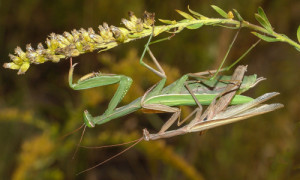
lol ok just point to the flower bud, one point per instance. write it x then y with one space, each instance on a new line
105 32
16 59
106 27
78 46
118 34
75 34
63 40
74 53
56 58
128 24
31 55
40 47
29 48
11 66
139 25
53 42
132 17
85 35
20 53
69 36
149 19
230 15
48 43
39 60
95 37
24 67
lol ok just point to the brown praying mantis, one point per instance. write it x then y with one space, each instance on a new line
217 113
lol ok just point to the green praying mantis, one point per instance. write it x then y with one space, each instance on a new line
159 98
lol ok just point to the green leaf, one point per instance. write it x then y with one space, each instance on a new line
167 21
297 49
263 15
298 34
261 20
184 21
220 11
195 26
186 15
265 38
195 13
285 37
238 15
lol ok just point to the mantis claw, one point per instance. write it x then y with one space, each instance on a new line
88 119
146 135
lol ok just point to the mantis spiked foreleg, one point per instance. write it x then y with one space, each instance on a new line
97 79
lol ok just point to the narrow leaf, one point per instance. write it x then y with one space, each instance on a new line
265 38
263 23
297 49
238 15
186 15
184 21
220 11
298 34
263 15
196 14
195 26
167 21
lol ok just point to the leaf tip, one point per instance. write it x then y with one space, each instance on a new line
298 34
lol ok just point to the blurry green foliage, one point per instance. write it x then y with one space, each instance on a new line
39 108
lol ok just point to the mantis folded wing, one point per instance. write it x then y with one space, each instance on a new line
218 113
230 115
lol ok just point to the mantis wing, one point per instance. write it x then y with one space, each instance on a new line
238 113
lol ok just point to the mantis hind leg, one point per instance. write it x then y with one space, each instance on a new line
95 80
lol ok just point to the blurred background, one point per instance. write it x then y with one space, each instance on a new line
37 109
